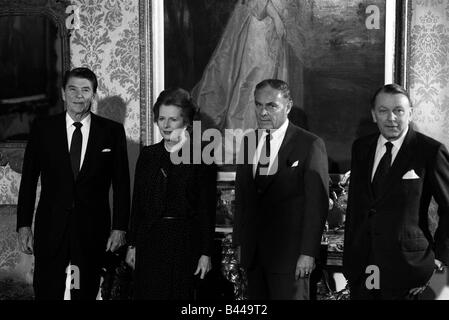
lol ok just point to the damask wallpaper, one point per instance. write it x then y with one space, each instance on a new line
107 41
429 67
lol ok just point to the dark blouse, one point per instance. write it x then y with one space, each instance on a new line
162 188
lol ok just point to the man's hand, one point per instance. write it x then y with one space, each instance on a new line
131 257
416 291
439 265
26 240
304 266
116 240
204 265
238 254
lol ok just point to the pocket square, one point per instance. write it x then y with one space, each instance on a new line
295 164
106 150
410 175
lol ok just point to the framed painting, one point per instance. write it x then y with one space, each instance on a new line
333 55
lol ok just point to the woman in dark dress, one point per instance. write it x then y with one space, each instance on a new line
173 210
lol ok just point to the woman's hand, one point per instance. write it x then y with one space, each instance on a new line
204 265
131 257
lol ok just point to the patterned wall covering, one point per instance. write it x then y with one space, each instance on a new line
429 67
9 185
13 264
107 41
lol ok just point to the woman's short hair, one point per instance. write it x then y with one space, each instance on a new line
176 97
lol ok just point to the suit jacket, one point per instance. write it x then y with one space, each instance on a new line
192 195
81 205
285 218
394 226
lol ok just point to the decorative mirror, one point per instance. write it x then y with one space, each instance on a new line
34 54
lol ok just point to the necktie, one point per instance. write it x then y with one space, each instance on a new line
384 165
264 160
75 148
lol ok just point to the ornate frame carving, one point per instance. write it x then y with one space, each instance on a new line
403 18
146 72
151 35
55 10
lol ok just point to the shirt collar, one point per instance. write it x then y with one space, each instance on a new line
280 132
396 143
69 121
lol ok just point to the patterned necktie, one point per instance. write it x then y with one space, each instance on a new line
264 160
383 167
75 148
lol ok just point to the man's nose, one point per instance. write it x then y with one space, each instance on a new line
263 111
391 116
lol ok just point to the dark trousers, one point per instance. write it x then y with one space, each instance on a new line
266 285
50 272
359 291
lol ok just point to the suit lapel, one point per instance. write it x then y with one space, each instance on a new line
92 145
369 163
61 144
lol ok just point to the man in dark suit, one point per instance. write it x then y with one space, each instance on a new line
281 201
78 156
389 250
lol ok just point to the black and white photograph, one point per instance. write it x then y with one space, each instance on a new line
224 155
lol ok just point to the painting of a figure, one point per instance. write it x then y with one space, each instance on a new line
322 48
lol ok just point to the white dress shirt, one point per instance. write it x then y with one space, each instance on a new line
85 129
277 136
381 149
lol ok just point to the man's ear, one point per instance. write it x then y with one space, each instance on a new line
63 94
411 115
289 106
373 114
